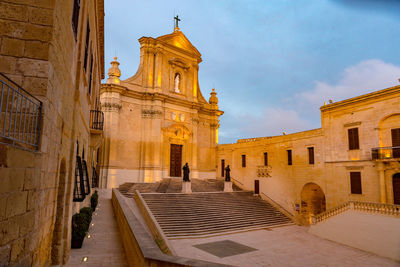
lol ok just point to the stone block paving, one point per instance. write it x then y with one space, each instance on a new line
282 246
104 247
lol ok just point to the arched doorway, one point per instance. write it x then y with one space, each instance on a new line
312 199
396 189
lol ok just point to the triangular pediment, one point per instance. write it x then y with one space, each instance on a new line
179 40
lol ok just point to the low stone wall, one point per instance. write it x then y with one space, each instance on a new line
140 248
151 222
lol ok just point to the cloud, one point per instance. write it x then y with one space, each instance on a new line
365 77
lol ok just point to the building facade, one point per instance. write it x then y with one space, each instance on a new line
158 119
353 156
51 64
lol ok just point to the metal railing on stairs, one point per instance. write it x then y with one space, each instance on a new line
20 115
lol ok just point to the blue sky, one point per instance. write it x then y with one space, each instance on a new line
273 63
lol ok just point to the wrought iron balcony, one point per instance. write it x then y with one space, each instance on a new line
96 120
392 152
20 115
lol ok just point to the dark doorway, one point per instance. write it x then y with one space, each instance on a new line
396 142
222 168
175 164
396 189
257 187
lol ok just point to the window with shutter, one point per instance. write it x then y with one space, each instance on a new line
86 46
289 157
265 158
243 161
355 182
353 138
75 17
311 155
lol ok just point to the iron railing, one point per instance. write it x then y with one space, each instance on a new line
96 119
391 152
20 115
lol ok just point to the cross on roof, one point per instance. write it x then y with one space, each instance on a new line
177 19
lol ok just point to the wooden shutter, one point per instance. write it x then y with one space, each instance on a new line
86 46
355 181
353 138
311 155
243 161
75 17
222 168
396 142
265 158
289 157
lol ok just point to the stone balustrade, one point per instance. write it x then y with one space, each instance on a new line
379 208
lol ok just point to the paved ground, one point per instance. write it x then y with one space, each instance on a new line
104 247
283 246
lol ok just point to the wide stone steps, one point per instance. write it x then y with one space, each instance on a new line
204 214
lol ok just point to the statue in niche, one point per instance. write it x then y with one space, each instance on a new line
186 172
177 79
227 174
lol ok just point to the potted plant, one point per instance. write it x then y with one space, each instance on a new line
94 200
88 211
80 226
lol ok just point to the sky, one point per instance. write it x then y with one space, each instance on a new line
273 63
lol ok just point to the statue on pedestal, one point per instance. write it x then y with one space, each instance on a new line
227 174
186 172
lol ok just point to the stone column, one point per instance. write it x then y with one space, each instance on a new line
382 182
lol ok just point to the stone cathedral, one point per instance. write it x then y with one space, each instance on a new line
157 120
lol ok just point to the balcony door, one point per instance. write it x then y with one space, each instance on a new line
396 189
396 142
175 164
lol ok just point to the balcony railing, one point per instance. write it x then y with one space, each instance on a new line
392 152
96 120
20 115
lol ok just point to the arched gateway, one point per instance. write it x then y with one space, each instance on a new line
312 199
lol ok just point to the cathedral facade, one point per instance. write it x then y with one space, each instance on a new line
157 120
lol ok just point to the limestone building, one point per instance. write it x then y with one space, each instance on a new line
354 156
51 66
157 120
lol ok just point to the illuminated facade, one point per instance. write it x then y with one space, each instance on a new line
354 156
158 119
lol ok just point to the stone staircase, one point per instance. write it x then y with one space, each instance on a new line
205 214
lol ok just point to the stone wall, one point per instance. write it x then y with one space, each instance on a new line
39 52
295 186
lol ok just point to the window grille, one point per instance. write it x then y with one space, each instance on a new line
79 188
85 178
95 178
20 115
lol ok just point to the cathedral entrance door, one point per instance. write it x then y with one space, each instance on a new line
175 163
396 189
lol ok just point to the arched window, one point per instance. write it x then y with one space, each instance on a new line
176 82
